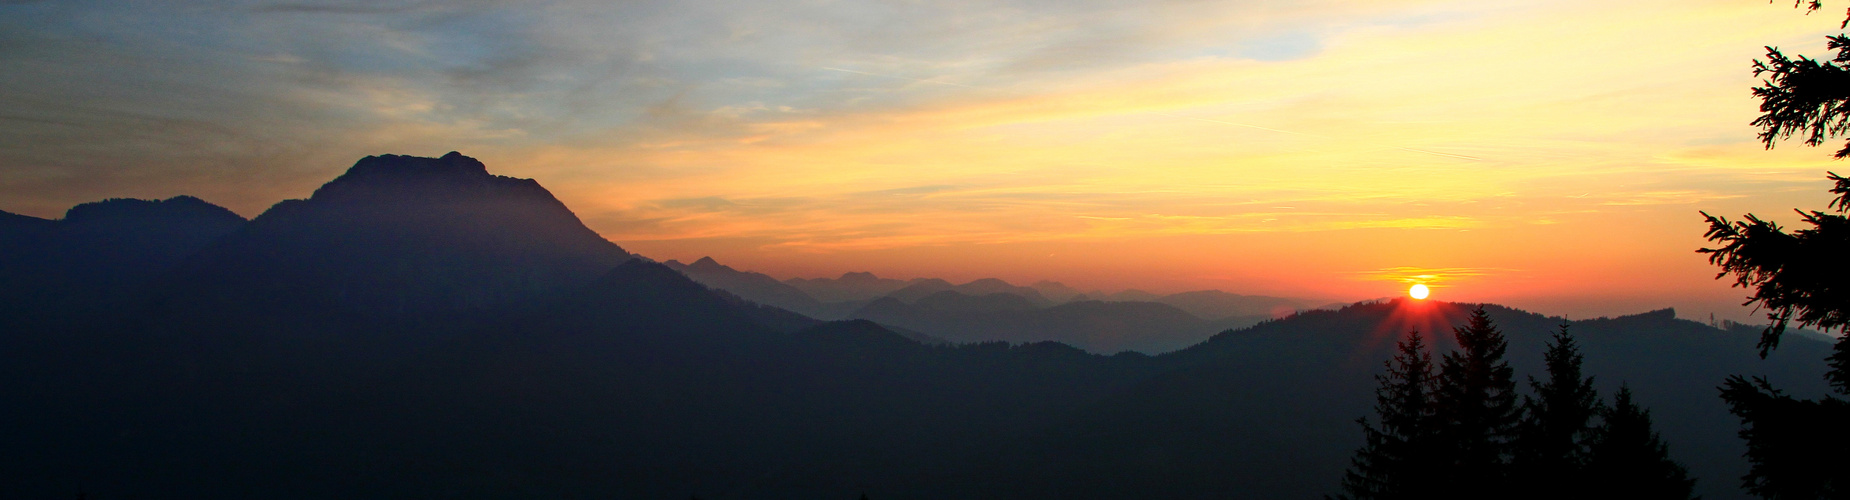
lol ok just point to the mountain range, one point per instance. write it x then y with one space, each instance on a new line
991 309
422 328
1095 326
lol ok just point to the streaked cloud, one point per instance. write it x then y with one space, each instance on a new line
1432 277
1393 129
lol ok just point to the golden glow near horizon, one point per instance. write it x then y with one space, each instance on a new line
1418 291
1508 151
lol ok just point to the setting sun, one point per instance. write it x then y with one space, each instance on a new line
1418 292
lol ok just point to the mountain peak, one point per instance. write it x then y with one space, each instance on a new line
706 263
859 277
403 235
399 177
452 164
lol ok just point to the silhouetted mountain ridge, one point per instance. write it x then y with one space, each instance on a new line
402 235
426 329
1100 327
852 287
1215 304
751 286
87 265
940 306
12 222
953 301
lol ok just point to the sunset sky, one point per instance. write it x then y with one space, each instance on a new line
1550 155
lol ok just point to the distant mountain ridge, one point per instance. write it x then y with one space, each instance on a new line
922 288
752 286
1099 327
994 310
1213 304
1206 304
850 287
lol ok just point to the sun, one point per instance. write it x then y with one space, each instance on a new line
1419 292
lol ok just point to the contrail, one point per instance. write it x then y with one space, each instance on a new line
1221 122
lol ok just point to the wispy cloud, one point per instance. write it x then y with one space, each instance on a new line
1381 128
1670 198
1432 277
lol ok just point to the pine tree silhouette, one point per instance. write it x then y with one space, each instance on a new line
1839 361
1477 409
1396 461
1797 447
1557 426
1629 460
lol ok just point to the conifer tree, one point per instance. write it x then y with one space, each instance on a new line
1839 361
1557 425
1629 460
1477 408
1396 461
1797 277
1797 447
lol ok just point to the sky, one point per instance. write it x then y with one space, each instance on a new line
1549 155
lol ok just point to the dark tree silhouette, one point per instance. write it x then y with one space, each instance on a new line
1397 459
1627 459
1800 276
1460 434
1796 447
1477 408
1557 427
1804 96
1839 361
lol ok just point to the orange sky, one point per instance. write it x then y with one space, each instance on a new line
1550 155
